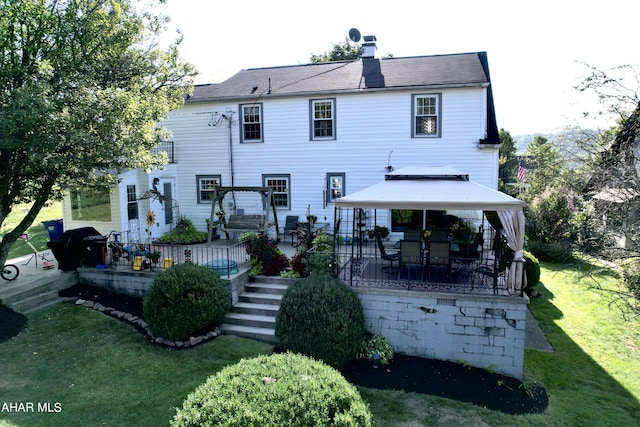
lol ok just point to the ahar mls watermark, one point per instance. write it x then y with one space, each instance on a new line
46 407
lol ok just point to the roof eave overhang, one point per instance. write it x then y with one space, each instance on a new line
276 95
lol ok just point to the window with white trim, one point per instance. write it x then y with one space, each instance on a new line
335 186
281 190
426 112
323 119
132 203
251 127
206 185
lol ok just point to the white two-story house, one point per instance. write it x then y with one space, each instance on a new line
312 133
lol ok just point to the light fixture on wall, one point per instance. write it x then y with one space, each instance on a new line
389 168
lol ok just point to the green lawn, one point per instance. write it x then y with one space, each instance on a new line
102 372
38 234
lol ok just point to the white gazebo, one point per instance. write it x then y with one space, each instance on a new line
446 188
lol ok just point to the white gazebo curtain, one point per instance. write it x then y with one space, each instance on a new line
513 227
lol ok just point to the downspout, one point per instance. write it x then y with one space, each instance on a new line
231 169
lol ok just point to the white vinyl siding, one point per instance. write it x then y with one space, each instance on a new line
373 131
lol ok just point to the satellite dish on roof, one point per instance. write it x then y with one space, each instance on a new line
354 35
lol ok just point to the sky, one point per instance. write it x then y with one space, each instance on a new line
536 49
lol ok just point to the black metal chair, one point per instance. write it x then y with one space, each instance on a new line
385 256
290 226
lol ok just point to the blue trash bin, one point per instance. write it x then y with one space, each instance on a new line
55 228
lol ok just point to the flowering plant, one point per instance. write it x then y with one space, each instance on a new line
151 218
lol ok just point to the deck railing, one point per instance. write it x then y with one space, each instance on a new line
453 274
124 254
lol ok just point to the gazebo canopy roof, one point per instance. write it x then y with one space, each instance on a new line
434 188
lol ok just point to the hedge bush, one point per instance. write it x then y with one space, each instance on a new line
277 390
532 270
321 317
631 276
185 299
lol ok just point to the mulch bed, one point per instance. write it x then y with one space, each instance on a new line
11 323
411 374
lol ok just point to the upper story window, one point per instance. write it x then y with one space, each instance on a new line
426 113
323 119
251 128
206 186
279 185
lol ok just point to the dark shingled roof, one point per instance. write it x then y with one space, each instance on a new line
326 78
351 76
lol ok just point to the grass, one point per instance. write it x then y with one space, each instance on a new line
102 372
38 234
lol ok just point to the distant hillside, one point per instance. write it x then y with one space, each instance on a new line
563 140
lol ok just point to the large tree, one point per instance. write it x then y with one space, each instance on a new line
83 84
344 51
508 163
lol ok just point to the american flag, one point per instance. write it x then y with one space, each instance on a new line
521 174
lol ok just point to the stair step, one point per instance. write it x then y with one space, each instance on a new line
45 305
35 302
245 319
260 298
254 308
260 334
266 288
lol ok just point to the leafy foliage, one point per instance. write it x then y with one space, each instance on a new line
277 390
266 257
532 270
81 94
322 318
185 299
184 232
344 51
376 343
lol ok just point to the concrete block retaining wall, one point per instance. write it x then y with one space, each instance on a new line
482 331
136 283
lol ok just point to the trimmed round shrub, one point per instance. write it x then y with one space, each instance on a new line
551 252
321 317
185 299
631 276
532 270
277 390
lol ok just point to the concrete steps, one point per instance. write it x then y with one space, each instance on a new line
28 294
254 315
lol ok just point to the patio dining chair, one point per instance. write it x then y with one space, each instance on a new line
439 261
290 226
385 256
410 258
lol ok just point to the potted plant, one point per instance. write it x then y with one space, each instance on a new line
382 231
461 229
154 256
214 227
